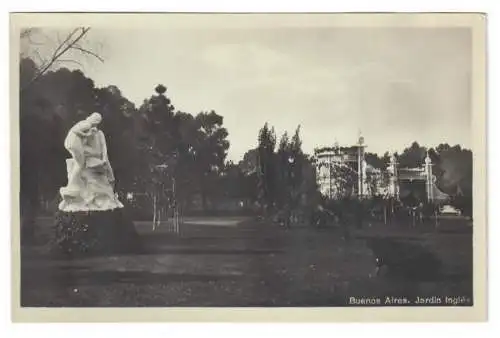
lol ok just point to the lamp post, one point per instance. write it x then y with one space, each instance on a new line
158 206
157 191
291 191
174 204
361 145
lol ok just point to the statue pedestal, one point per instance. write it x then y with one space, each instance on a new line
95 232
91 219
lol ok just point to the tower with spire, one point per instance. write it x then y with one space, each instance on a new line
429 182
393 178
361 165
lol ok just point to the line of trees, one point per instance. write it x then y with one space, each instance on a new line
285 175
154 143
139 139
192 148
452 166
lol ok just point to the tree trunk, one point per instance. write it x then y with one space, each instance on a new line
154 211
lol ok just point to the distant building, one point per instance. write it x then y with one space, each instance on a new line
414 183
343 171
376 181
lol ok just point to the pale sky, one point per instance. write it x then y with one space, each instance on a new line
396 85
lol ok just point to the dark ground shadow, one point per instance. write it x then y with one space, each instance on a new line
261 250
85 276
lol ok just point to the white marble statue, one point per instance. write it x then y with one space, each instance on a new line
90 176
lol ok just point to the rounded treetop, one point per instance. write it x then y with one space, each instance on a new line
160 89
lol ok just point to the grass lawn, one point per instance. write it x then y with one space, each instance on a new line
240 262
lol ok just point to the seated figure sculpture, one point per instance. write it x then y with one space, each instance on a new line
90 176
90 217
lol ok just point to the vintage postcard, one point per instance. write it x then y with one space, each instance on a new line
248 167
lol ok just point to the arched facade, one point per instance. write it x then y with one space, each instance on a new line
334 165
414 176
342 171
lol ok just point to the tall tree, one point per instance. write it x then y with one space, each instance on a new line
250 162
282 171
267 145
159 137
453 167
413 156
119 125
377 162
296 166
211 150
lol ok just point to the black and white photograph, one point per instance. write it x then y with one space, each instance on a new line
248 161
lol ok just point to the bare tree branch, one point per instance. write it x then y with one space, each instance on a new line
37 53
27 34
68 61
63 44
85 51
69 42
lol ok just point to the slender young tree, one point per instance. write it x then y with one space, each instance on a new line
267 145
